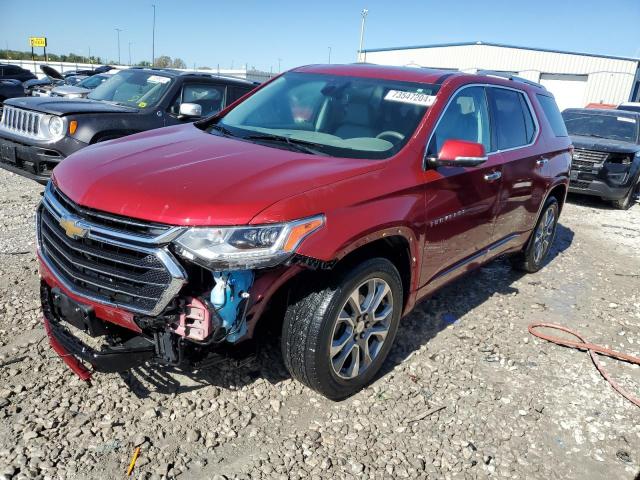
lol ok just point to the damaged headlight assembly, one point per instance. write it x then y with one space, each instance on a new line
245 247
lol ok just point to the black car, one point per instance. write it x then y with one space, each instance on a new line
10 89
606 159
36 133
632 106
14 72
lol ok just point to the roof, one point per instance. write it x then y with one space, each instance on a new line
412 74
385 72
502 45
183 73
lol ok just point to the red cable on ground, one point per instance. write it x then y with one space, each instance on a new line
592 349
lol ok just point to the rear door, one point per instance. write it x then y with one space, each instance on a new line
524 180
462 202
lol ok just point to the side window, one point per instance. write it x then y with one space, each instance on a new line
234 93
552 113
466 118
513 120
208 96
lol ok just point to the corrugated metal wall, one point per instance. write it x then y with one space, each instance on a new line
609 80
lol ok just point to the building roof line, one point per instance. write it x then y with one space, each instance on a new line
503 45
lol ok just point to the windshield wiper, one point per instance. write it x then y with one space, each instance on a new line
223 130
594 135
300 145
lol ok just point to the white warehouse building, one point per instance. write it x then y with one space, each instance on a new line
575 79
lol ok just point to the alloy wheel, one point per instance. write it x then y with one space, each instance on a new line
361 328
544 235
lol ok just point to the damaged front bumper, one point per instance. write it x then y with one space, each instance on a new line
132 352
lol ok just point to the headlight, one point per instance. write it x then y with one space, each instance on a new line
56 127
257 246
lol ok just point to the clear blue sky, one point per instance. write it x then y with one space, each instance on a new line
299 32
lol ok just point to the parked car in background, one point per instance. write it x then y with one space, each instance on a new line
37 133
606 159
14 72
10 89
632 106
88 72
82 88
335 197
42 87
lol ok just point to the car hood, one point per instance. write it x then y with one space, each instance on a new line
183 176
65 106
51 72
604 144
70 89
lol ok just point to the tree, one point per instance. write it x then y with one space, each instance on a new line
178 63
144 63
163 61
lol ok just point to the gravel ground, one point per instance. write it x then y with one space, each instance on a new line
466 393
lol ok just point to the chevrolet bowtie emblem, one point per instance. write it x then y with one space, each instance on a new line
72 227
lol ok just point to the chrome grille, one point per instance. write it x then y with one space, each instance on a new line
22 122
146 230
108 265
590 159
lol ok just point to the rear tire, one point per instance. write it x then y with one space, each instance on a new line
533 257
336 336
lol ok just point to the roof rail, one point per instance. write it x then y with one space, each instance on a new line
509 76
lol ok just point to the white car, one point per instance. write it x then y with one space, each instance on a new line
81 89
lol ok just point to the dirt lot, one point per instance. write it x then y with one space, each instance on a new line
467 392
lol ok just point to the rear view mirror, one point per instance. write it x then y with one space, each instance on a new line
190 110
459 153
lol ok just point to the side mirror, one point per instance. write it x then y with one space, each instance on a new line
190 110
458 153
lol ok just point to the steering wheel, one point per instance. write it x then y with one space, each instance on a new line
391 133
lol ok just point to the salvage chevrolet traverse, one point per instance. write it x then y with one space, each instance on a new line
332 198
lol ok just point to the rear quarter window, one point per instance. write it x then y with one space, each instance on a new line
553 115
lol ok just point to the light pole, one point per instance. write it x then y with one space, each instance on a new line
153 38
279 62
129 53
364 19
329 55
119 30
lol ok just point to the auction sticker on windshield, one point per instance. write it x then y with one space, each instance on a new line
157 79
414 98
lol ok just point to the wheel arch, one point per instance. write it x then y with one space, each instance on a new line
559 191
395 248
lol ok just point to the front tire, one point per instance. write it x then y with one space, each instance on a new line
336 337
628 200
533 257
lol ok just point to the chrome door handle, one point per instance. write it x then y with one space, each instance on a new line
492 177
541 162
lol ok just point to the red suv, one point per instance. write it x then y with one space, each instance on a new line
334 197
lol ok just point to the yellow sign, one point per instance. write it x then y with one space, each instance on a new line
38 41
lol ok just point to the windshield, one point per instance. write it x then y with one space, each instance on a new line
92 82
601 125
331 115
133 88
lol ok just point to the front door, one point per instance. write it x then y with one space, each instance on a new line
210 97
461 202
